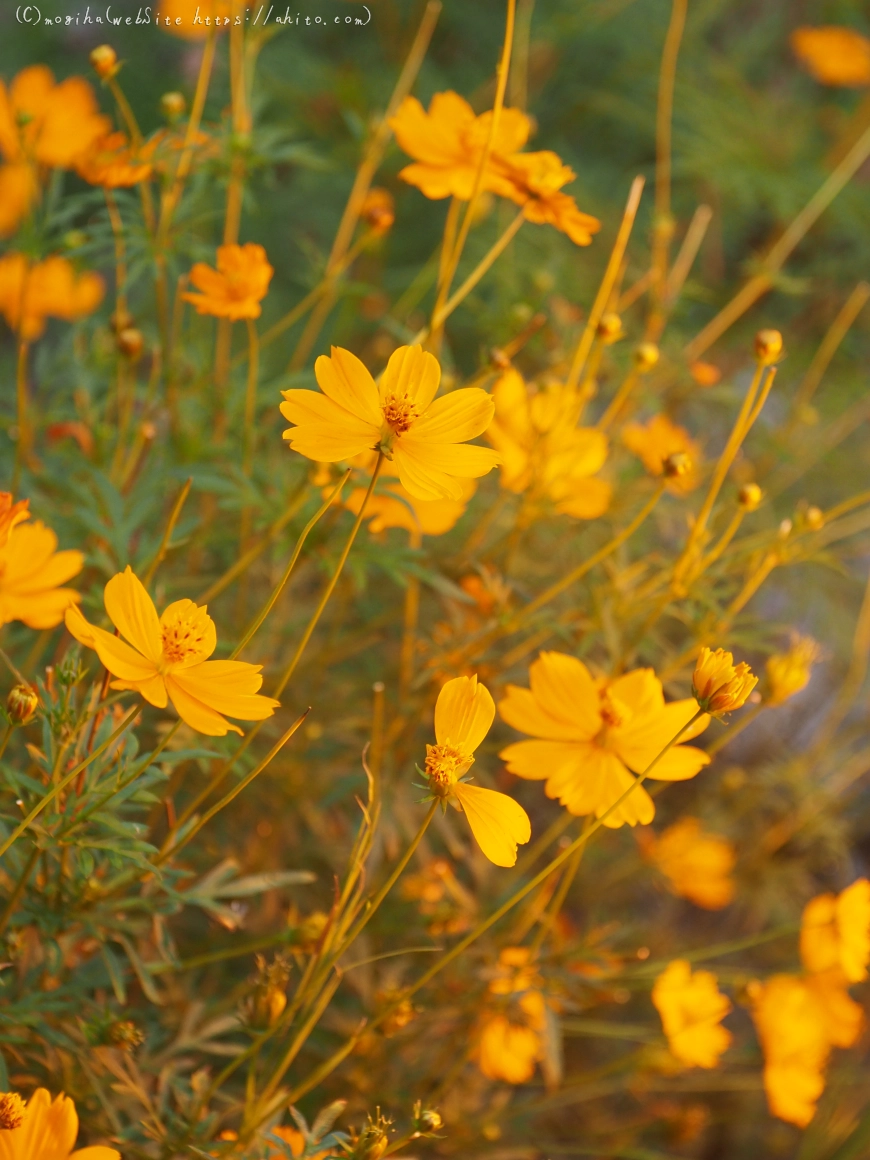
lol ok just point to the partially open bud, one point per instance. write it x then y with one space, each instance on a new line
21 704
12 1111
104 61
768 346
610 328
126 1035
646 355
814 517
173 106
373 1140
750 496
378 209
718 684
676 465
130 342
426 1119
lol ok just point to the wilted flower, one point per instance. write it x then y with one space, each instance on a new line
424 436
658 439
697 864
718 684
168 659
31 574
237 287
48 1131
789 672
834 55
591 736
464 713
692 1008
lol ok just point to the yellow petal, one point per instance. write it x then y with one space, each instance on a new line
414 374
464 713
586 500
539 760
37 609
132 612
564 687
96 1152
461 415
227 687
497 822
196 714
119 658
649 730
679 764
346 380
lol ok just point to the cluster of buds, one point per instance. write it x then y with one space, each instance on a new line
718 685
104 61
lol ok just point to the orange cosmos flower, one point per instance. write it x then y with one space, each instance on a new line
32 292
187 18
835 932
511 1036
544 452
591 736
18 190
659 439
113 163
789 672
834 55
32 572
464 713
11 514
424 437
692 1008
718 684
167 658
238 286
48 1131
697 865
536 180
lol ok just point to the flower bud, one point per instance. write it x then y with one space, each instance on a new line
718 684
373 1140
130 342
126 1035
12 1111
426 1119
173 106
768 346
610 328
814 517
676 465
750 496
104 61
646 355
21 704
378 209
121 320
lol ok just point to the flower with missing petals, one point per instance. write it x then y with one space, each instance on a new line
166 658
237 287
718 684
692 1008
424 437
464 713
47 1131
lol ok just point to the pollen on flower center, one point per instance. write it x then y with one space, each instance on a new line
399 413
12 1111
182 640
613 711
445 765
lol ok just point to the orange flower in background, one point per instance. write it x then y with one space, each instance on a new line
187 18
789 672
48 1132
464 713
536 180
835 932
544 451
511 1037
112 162
424 437
834 55
32 292
167 659
32 572
692 1008
658 439
378 209
237 287
394 507
697 865
591 736
705 374
11 514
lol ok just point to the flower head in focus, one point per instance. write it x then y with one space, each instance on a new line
11 514
591 737
834 55
657 441
237 287
464 713
697 865
510 1040
30 293
692 1008
718 684
112 162
48 1131
167 658
789 672
544 452
424 437
835 932
32 573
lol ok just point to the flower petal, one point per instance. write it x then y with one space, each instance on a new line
196 714
453 418
346 380
413 373
497 822
680 764
119 658
227 687
464 713
539 760
132 612
645 735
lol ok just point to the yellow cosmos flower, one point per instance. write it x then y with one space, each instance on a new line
394 507
692 1008
48 1132
834 55
659 439
544 452
32 572
789 672
835 932
592 736
464 713
11 514
423 436
719 685
697 865
510 1040
166 658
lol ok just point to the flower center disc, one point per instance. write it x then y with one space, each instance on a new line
180 641
399 413
444 766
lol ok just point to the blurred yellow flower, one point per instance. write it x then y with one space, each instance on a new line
834 55
591 736
423 436
719 685
394 507
378 209
698 865
510 1040
112 162
544 452
11 514
535 181
792 1029
237 287
789 672
692 1008
187 18
168 658
464 713
18 190
31 574
32 292
657 440
49 1132
835 932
